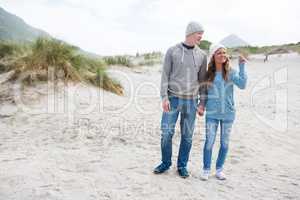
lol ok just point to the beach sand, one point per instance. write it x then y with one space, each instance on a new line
80 142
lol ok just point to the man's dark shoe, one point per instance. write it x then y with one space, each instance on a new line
161 168
183 173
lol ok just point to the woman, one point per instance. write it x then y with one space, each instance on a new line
220 108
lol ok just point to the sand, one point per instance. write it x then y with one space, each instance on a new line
79 142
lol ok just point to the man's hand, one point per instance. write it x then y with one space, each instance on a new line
200 110
166 105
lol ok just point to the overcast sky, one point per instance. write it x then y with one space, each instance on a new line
111 27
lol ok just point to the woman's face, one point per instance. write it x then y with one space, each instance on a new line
220 56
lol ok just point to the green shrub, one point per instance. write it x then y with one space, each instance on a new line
204 44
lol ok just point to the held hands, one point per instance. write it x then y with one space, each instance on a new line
166 105
200 110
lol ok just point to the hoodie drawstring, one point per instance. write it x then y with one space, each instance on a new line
182 57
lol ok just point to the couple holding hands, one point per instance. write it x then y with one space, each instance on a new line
188 73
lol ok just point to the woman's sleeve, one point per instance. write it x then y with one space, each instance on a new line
240 79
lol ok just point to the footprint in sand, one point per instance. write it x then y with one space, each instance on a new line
295 184
234 161
239 152
266 168
229 187
252 171
46 186
105 196
283 176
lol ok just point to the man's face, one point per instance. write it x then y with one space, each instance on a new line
197 37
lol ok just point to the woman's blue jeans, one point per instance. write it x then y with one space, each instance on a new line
211 132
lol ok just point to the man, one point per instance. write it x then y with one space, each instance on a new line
183 72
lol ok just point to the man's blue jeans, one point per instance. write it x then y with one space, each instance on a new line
187 109
211 131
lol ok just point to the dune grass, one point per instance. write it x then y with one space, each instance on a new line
118 60
292 47
47 54
148 59
9 49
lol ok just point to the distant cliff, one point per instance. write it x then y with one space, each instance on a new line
13 28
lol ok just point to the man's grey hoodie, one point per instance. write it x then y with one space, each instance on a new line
184 71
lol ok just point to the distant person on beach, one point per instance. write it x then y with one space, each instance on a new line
220 109
266 57
184 70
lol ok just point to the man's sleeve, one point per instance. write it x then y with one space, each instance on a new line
202 80
165 75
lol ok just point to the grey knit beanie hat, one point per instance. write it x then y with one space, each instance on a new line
193 27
